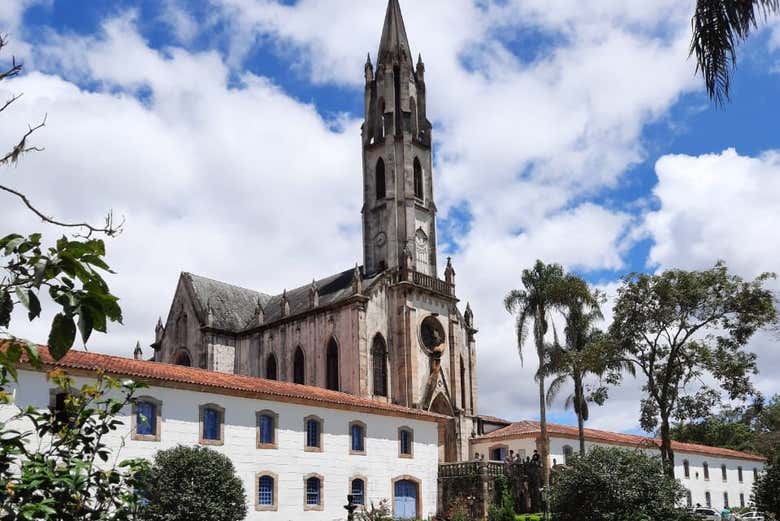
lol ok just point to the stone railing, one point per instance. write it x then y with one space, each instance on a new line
470 468
428 282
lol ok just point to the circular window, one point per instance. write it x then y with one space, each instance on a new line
431 333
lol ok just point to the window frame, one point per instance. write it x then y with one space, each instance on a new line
705 467
157 420
275 419
320 429
708 499
724 473
568 453
364 430
202 424
498 446
364 479
740 474
379 367
271 356
320 496
299 352
417 482
275 505
686 469
401 453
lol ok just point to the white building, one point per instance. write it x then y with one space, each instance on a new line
713 477
298 449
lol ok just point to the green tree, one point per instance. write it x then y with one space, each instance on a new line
55 465
503 508
542 293
766 490
719 26
610 484
68 273
193 484
680 326
580 355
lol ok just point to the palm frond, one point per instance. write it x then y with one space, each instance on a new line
718 27
555 387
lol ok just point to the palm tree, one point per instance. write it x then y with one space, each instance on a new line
541 294
718 27
578 357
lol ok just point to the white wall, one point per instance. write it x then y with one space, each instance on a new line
289 462
695 483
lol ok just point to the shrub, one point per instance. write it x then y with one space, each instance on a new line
193 484
504 507
616 485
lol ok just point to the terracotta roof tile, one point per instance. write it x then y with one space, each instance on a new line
531 429
165 375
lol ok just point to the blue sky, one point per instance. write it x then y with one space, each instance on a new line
578 137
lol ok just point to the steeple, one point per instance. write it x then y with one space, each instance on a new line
394 44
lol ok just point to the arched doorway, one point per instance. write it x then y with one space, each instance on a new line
448 448
406 502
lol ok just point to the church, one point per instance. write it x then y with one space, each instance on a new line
390 330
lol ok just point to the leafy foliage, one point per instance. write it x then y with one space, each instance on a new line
375 512
718 27
680 326
609 484
55 465
766 490
193 484
70 273
503 509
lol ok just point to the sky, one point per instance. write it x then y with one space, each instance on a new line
227 134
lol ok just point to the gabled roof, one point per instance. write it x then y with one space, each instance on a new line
189 378
532 429
235 309
394 41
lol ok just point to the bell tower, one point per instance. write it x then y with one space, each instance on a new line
399 214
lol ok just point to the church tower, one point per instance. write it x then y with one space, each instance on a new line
399 214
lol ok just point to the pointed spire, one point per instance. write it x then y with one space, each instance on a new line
394 44
449 272
468 316
138 353
285 304
314 295
209 314
357 280
369 70
420 68
259 312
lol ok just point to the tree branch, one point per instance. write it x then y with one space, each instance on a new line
21 147
108 229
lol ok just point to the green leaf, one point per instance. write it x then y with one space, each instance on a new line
12 244
34 307
62 335
85 323
6 307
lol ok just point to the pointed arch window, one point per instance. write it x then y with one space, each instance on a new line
462 383
381 106
381 183
379 358
182 358
299 369
414 117
271 372
332 365
418 179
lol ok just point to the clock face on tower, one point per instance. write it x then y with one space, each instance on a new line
381 239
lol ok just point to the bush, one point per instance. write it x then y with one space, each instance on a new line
529 517
616 485
193 484
504 507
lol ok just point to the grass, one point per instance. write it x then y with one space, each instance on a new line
529 517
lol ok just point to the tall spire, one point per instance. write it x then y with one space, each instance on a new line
394 43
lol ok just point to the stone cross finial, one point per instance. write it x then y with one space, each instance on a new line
468 315
138 353
314 295
285 304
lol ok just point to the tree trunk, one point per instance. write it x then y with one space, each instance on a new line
667 453
545 453
579 399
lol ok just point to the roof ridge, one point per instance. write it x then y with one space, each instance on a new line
210 279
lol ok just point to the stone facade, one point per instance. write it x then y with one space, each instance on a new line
389 330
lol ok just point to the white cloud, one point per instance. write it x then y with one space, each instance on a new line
248 185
